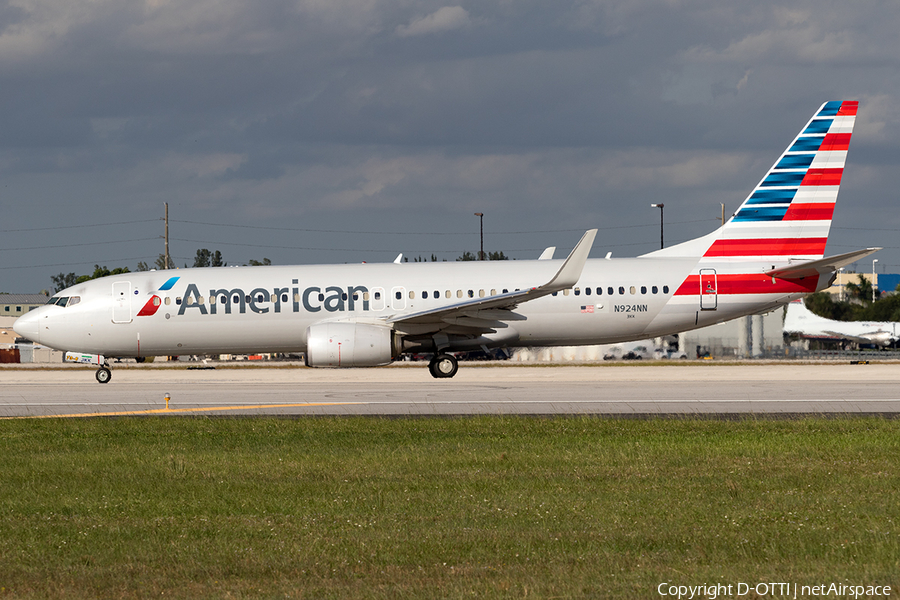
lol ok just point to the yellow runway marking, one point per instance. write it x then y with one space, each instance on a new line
169 411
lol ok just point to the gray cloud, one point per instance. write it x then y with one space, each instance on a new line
378 116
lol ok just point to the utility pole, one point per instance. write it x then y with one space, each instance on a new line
481 230
874 260
723 213
167 235
660 207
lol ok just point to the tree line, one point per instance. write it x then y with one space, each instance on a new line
204 258
207 258
858 306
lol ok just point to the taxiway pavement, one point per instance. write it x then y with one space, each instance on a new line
734 389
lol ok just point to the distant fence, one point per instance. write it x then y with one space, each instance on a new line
864 354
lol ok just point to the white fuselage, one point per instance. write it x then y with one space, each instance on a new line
268 309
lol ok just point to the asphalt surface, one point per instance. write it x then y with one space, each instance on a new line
625 390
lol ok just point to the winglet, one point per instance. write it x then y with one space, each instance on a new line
547 254
570 272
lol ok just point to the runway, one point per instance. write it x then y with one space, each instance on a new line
712 389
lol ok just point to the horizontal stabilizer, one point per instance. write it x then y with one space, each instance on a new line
821 266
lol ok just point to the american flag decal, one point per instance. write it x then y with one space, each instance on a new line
587 309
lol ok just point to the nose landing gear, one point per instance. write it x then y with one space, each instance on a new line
103 375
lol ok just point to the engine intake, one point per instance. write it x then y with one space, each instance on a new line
342 344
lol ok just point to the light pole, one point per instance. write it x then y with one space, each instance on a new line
874 260
841 282
660 207
481 231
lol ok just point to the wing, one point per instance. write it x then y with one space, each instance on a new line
486 315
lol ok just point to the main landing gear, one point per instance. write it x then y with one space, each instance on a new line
443 366
103 375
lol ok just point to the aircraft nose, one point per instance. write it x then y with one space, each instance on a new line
28 326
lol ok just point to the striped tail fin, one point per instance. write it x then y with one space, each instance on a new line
788 214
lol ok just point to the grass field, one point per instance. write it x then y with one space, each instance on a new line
493 507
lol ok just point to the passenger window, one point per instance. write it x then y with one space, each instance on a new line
398 295
654 289
378 295
599 291
481 293
643 289
447 294
436 294
424 295
459 293
237 299
577 291
212 300
201 300
621 291
555 293
566 292
632 290
412 295
296 298
284 297
471 293
261 298
505 291
609 291
587 291
665 289
169 301
178 301
247 298
321 297
365 296
343 297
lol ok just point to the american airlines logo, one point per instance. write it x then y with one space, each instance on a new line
261 301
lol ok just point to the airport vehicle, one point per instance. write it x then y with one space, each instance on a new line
769 253
803 322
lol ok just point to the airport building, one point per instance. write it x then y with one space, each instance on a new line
883 282
16 305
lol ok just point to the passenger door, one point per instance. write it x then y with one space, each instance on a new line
709 295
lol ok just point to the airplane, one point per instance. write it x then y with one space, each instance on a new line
802 321
770 252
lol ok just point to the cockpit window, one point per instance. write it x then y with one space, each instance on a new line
74 300
61 301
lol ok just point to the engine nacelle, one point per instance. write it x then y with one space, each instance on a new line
343 344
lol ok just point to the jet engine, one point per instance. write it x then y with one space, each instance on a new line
348 344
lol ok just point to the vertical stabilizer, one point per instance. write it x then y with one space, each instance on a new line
788 214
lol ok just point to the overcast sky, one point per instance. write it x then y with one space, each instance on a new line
352 130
